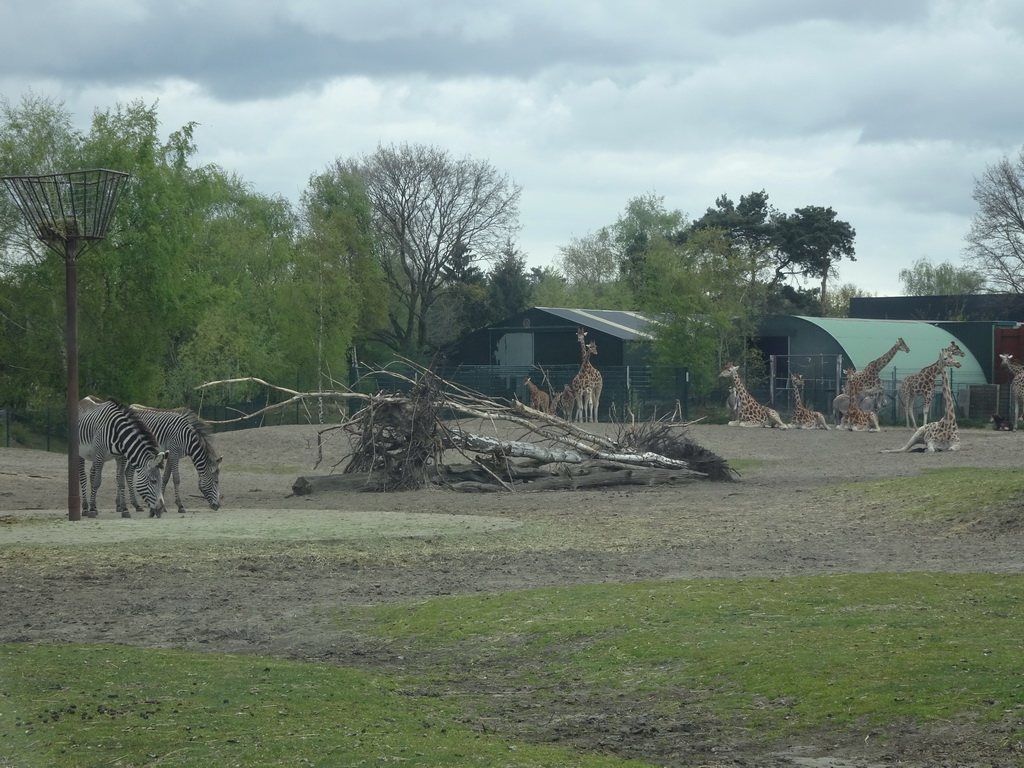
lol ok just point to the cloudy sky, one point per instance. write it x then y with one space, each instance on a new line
885 110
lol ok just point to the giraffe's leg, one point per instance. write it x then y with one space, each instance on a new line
927 407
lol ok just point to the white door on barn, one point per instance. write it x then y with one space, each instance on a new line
515 349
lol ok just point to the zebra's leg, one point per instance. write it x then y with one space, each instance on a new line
122 477
95 478
171 472
129 476
83 487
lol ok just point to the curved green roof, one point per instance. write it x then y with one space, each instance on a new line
865 340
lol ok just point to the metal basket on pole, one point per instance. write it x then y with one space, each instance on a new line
69 212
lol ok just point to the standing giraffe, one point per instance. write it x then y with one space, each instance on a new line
804 418
750 413
588 383
539 399
868 377
922 384
941 435
1016 387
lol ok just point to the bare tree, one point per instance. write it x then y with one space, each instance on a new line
435 216
995 242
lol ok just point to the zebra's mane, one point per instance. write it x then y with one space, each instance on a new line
133 417
203 429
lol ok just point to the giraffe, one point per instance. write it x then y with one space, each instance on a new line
750 413
804 418
868 377
857 420
922 384
941 435
1016 387
539 399
588 382
873 399
565 402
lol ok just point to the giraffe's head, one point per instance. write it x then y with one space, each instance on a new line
581 336
592 348
1006 360
954 349
902 345
948 361
730 371
527 381
797 379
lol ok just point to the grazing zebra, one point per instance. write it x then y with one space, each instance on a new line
108 428
181 433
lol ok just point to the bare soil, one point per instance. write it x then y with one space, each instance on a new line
283 565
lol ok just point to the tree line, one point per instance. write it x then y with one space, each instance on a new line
396 252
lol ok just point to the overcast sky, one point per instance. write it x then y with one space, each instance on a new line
885 110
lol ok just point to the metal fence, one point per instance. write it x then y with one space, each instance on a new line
646 392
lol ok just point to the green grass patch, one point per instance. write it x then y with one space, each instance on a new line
941 494
102 705
782 656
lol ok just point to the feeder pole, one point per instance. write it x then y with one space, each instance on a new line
68 212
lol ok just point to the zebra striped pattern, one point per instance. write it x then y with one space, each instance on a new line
109 428
181 433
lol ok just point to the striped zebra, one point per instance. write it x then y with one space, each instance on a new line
108 428
181 433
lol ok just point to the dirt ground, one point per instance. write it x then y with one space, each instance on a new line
285 564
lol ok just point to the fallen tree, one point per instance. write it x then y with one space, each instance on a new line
406 439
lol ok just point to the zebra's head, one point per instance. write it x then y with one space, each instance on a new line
149 483
209 482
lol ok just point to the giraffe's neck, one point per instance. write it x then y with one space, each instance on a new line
877 365
798 400
947 398
741 391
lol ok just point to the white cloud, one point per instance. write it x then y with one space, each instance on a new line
884 111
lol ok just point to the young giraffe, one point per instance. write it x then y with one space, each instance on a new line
857 420
922 384
565 402
804 418
1016 387
539 399
750 412
868 377
588 382
941 435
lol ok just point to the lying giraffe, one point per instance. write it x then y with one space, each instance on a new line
804 418
922 384
941 435
750 412
857 420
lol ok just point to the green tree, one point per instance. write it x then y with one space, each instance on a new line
337 289
508 287
924 278
590 266
838 304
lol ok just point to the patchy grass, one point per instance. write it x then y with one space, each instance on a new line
944 494
103 705
780 656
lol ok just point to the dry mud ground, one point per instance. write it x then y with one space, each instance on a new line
283 565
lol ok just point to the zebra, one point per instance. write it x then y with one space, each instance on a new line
108 428
181 433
